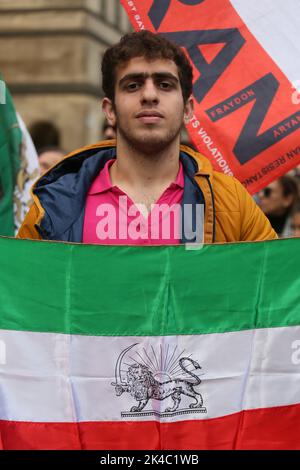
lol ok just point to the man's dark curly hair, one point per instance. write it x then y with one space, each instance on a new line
150 46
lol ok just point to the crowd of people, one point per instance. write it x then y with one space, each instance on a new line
280 201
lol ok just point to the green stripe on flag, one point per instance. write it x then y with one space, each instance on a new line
10 149
107 290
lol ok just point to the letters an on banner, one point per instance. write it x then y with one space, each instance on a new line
245 120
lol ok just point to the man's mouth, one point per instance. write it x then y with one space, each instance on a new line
149 117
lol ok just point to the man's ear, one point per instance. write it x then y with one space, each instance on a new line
188 110
109 111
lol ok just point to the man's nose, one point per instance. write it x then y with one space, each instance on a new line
149 92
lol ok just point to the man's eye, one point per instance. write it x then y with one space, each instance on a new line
133 86
165 85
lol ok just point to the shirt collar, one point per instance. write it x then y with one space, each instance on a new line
103 182
179 182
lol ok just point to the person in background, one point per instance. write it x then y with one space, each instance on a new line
277 201
108 131
295 221
48 157
295 172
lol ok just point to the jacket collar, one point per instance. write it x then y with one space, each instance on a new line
204 167
61 193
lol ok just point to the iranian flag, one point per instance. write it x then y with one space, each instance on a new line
10 147
105 347
19 167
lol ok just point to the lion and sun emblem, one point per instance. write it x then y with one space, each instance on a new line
147 375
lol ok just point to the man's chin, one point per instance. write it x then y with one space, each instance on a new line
151 146
151 142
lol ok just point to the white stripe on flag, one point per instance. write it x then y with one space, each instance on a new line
62 378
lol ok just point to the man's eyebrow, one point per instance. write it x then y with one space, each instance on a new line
144 76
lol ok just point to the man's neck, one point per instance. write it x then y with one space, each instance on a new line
137 170
145 177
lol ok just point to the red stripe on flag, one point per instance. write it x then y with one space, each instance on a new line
270 428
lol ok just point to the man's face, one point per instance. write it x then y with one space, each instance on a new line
148 109
273 201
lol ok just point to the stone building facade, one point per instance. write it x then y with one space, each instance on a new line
50 54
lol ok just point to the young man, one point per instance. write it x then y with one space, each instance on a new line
110 194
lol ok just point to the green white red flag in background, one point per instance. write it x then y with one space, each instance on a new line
10 146
19 166
245 56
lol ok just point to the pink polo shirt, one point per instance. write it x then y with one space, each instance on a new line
112 218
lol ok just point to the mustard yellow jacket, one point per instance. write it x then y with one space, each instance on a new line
59 198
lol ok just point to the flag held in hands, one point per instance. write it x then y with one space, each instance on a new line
105 347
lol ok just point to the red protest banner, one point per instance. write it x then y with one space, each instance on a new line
245 119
